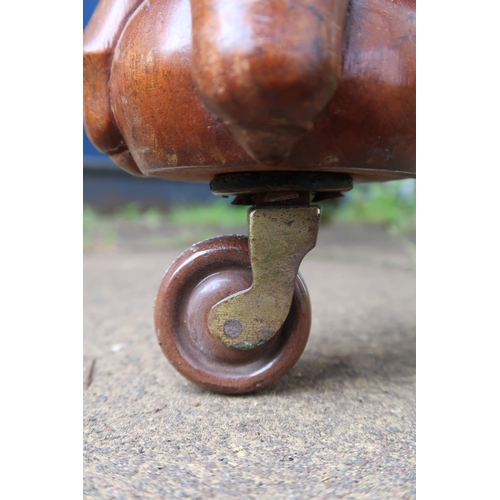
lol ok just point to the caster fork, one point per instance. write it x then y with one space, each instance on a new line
279 238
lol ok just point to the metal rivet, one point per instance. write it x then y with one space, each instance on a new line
232 328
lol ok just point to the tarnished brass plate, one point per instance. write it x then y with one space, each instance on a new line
279 238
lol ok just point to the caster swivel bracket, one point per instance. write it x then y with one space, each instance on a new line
279 238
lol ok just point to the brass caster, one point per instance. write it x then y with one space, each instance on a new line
202 276
232 313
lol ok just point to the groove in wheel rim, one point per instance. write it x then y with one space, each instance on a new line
204 274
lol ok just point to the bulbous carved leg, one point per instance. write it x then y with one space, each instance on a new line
267 68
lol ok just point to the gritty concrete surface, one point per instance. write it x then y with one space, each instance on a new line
340 424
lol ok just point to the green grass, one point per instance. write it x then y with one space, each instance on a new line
218 213
382 204
98 231
152 217
379 203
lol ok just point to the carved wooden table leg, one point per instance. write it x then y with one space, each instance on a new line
271 102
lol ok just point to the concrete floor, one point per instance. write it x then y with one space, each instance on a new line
340 424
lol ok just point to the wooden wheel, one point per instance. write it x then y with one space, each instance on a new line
203 275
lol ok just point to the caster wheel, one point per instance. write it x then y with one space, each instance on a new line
203 275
